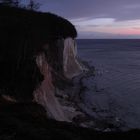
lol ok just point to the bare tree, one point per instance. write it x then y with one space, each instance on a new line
33 5
16 3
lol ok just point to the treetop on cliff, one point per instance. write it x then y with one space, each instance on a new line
31 5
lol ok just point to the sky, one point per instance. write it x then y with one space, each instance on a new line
99 18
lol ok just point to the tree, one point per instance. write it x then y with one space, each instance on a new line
13 3
33 5
16 3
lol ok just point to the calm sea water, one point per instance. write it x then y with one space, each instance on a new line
117 64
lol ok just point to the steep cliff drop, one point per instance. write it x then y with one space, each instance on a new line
45 93
38 58
71 65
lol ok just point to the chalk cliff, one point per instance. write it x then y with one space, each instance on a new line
38 56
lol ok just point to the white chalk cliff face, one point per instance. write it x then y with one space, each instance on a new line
45 93
70 63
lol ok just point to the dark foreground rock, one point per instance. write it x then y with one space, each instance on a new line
20 121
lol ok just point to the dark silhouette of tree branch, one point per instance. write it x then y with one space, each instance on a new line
33 5
17 3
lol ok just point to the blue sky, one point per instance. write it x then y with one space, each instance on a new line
99 18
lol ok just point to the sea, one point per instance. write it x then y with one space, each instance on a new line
114 93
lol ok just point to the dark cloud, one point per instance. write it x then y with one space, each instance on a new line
118 9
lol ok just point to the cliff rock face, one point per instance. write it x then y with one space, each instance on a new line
71 66
45 93
37 57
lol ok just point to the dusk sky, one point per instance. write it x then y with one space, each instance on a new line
99 18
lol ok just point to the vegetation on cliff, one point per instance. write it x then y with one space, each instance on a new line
23 34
